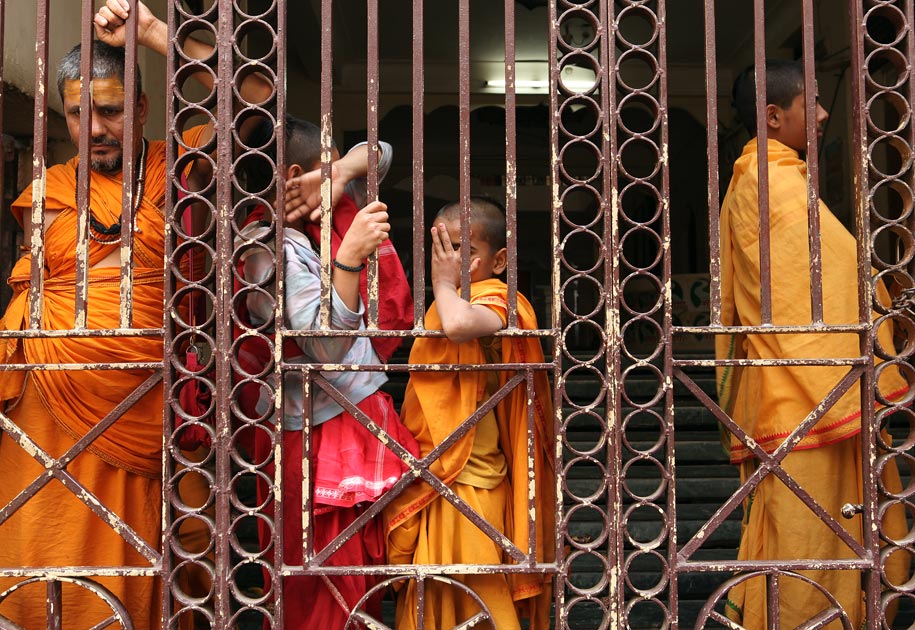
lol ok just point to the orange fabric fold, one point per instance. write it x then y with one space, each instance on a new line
775 515
769 402
437 402
55 528
79 399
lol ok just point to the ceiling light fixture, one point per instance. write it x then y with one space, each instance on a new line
539 84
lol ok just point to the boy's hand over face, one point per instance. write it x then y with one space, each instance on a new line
446 260
370 229
303 194
461 320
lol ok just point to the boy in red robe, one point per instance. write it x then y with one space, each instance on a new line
350 468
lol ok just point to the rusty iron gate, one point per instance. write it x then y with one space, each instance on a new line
625 554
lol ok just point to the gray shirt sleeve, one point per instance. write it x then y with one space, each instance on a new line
357 189
302 283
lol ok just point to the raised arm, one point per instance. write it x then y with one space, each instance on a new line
461 320
303 193
153 34
370 229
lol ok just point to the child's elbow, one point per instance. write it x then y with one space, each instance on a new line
460 330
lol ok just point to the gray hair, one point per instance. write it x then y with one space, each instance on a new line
107 62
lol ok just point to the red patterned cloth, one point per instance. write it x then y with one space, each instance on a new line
351 468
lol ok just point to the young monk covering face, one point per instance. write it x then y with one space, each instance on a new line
486 261
107 120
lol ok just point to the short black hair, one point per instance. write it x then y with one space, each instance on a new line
303 147
487 213
107 62
784 82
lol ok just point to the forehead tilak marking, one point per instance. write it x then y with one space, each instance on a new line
108 87
71 88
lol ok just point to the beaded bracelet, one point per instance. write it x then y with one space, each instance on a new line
340 265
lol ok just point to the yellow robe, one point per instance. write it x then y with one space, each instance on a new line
122 467
769 402
423 528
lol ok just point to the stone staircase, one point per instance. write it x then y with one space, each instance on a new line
704 480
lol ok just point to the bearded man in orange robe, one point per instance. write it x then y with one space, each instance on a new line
103 509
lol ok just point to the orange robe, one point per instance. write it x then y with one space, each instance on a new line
770 402
122 467
423 528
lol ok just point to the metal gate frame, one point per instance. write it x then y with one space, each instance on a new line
881 76
221 243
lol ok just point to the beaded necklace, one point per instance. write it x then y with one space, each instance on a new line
108 234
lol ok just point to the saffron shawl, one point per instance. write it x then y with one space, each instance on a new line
437 402
79 399
770 402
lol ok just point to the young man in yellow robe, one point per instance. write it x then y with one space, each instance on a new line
122 466
488 467
770 402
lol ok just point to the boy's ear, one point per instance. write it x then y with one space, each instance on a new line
142 108
773 116
500 261
293 170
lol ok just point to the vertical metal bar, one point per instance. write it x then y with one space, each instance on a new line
667 316
327 102
371 90
128 173
464 142
860 183
279 516
13 255
772 584
559 593
813 170
762 154
531 479
910 139
169 374
511 166
419 222
306 508
714 192
54 605
870 515
223 302
871 580
610 210
39 165
279 319
421 602
280 130
84 171
278 206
